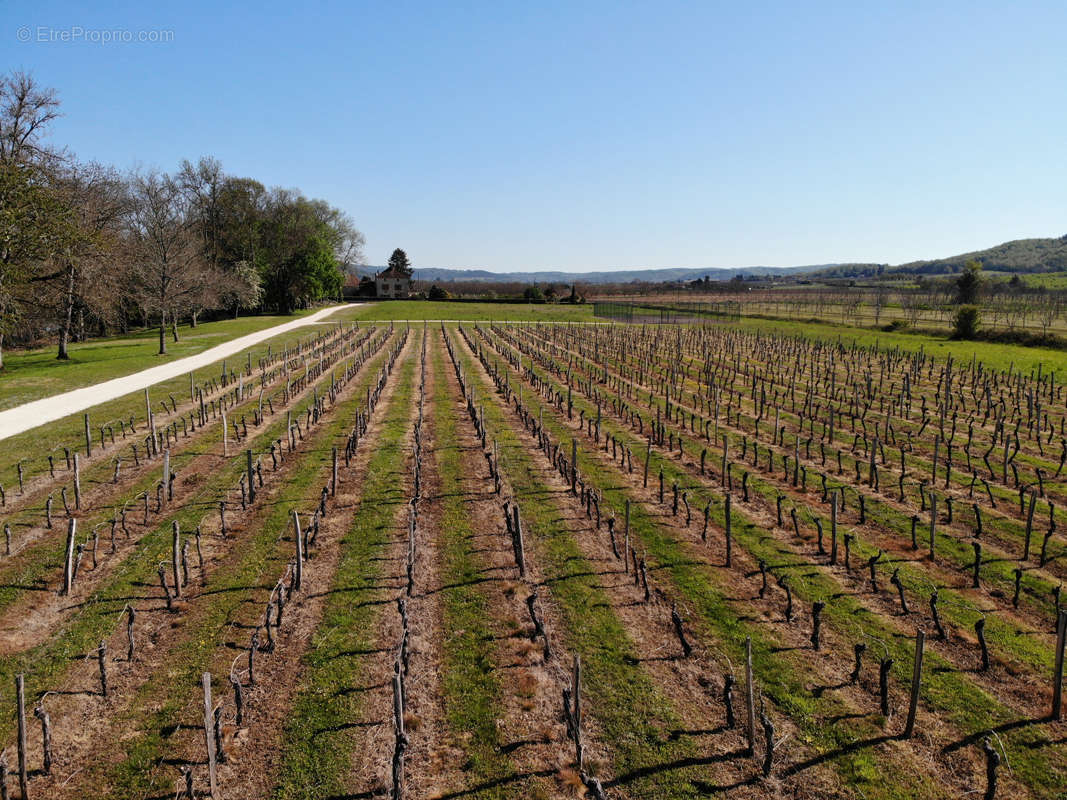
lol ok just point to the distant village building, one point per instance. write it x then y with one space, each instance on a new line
393 282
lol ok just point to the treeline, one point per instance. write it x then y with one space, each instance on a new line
88 250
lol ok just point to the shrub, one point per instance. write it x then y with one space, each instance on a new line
437 293
965 323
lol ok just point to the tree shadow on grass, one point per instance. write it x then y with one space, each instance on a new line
498 782
682 763
973 738
345 691
678 733
346 726
822 758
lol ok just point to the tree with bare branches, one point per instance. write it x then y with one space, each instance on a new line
32 220
166 263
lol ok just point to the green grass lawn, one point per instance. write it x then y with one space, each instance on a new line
996 356
33 374
1050 280
426 309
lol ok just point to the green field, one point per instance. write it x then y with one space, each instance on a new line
462 311
36 373
1050 280
997 356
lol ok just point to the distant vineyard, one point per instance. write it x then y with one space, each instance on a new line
668 312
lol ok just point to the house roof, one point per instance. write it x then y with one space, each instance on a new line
392 273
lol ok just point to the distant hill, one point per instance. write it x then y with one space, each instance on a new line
651 275
1020 255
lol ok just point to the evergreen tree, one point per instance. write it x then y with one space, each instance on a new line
399 262
969 283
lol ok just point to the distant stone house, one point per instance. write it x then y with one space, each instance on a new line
392 282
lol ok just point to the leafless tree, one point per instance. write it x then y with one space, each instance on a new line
26 111
911 302
1049 309
203 185
85 275
166 263
31 219
879 300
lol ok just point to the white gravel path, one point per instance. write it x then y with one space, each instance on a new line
48 409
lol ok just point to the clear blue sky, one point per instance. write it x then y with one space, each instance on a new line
592 135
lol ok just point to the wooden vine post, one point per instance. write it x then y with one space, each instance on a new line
916 678
174 557
333 483
1057 677
77 482
933 523
20 699
728 517
250 469
833 528
299 575
68 564
520 549
209 734
574 466
750 699
400 736
576 692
